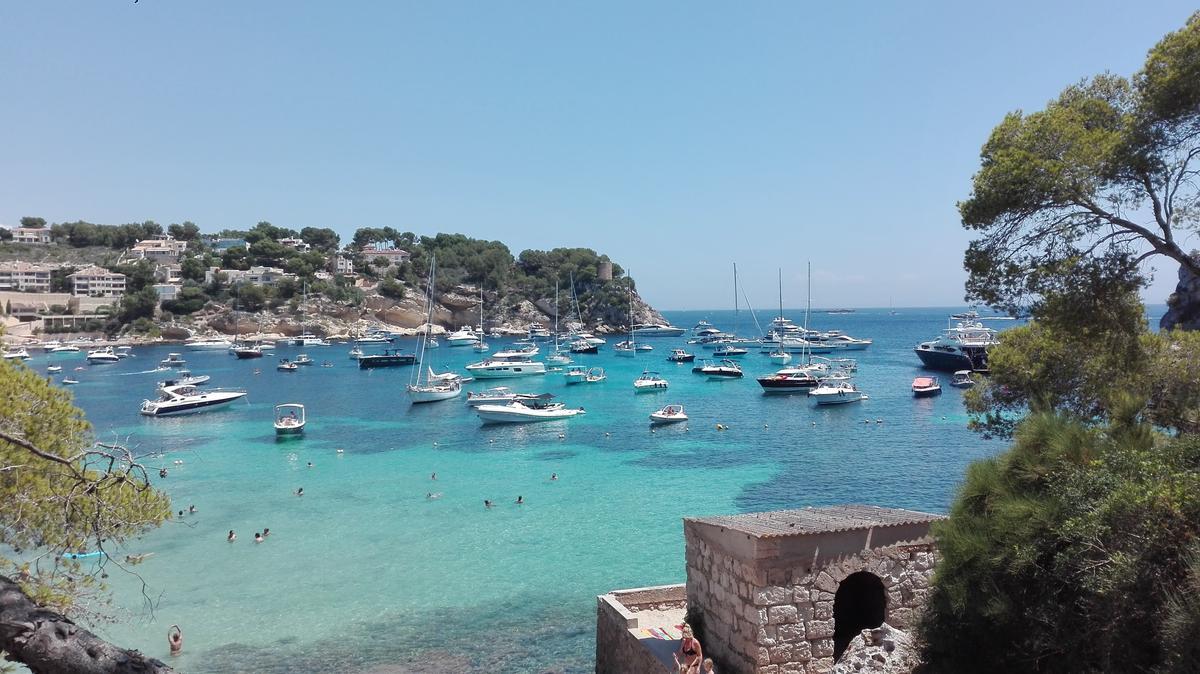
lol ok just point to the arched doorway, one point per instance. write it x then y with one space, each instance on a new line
860 603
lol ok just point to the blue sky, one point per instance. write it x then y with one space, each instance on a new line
678 137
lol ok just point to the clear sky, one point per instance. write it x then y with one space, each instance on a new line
678 137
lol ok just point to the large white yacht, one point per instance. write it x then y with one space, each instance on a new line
186 399
962 346
525 411
462 337
656 330
208 343
307 339
836 392
496 368
102 356
18 354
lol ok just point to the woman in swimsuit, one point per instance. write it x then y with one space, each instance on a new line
175 640
689 656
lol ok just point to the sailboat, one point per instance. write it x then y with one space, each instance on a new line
559 357
780 354
432 389
627 348
479 345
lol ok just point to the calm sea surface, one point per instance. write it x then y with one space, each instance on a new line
364 572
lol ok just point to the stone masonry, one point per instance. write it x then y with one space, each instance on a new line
766 591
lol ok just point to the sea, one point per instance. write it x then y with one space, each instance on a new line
365 573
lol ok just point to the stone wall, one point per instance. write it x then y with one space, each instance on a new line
777 616
620 651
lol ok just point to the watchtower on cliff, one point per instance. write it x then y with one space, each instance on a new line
786 591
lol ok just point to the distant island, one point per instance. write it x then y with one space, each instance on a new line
144 280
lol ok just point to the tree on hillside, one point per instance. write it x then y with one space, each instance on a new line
321 238
1106 173
188 231
5 234
33 223
62 492
265 230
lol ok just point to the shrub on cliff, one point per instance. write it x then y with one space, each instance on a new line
1071 552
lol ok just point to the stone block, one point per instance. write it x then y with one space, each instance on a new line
805 612
823 610
820 629
754 615
826 582
777 615
769 669
802 651
772 596
792 668
822 648
901 618
763 656
781 653
791 634
766 635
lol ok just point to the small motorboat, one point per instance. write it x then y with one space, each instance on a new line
286 365
594 376
289 419
962 379
583 346
54 369
103 356
70 381
526 411
925 387
245 352
18 354
648 382
303 359
627 349
172 360
124 352
725 369
575 375
186 378
729 351
836 393
356 353
668 415
64 348
788 380
681 356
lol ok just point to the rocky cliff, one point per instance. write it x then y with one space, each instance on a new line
1183 307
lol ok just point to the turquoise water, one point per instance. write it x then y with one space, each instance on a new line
364 571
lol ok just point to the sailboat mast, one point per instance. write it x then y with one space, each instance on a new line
735 300
556 312
781 292
428 320
807 310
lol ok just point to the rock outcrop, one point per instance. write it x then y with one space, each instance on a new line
883 649
1183 306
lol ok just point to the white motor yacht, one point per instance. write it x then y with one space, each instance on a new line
526 411
725 369
656 330
538 333
498 395
125 351
517 352
462 337
962 379
172 360
64 348
102 356
208 343
186 399
185 378
290 419
668 415
962 346
836 393
303 359
575 375
308 339
788 380
496 368
54 369
19 354
649 381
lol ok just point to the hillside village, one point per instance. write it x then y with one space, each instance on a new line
145 281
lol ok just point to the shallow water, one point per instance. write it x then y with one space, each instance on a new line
364 572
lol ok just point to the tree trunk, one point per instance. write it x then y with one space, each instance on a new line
48 643
1183 307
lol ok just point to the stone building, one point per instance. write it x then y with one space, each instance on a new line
163 249
94 281
784 592
25 277
35 236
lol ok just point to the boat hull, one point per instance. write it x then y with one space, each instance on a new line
373 361
190 407
951 361
287 431
927 392
426 394
506 371
491 414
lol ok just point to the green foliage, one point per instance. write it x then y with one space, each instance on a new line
236 257
30 222
51 507
138 274
193 268
390 287
139 304
1063 553
118 237
188 231
321 238
189 300
266 231
252 297
59 283
5 234
1181 622
1089 183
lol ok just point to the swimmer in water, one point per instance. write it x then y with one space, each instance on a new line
553 476
433 477
191 510
433 495
181 513
231 537
266 532
258 537
310 464
162 472
487 503
300 491
175 639
520 500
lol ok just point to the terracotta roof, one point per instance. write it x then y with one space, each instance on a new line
826 519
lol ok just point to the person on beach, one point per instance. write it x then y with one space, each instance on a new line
231 537
175 639
520 500
689 656
708 667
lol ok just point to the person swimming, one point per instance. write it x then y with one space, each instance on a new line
266 532
162 472
520 500
433 495
310 464
231 537
192 510
433 476
487 503
553 476
300 491
258 538
175 639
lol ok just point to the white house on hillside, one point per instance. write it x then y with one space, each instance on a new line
25 276
96 281
161 249
394 256
30 235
